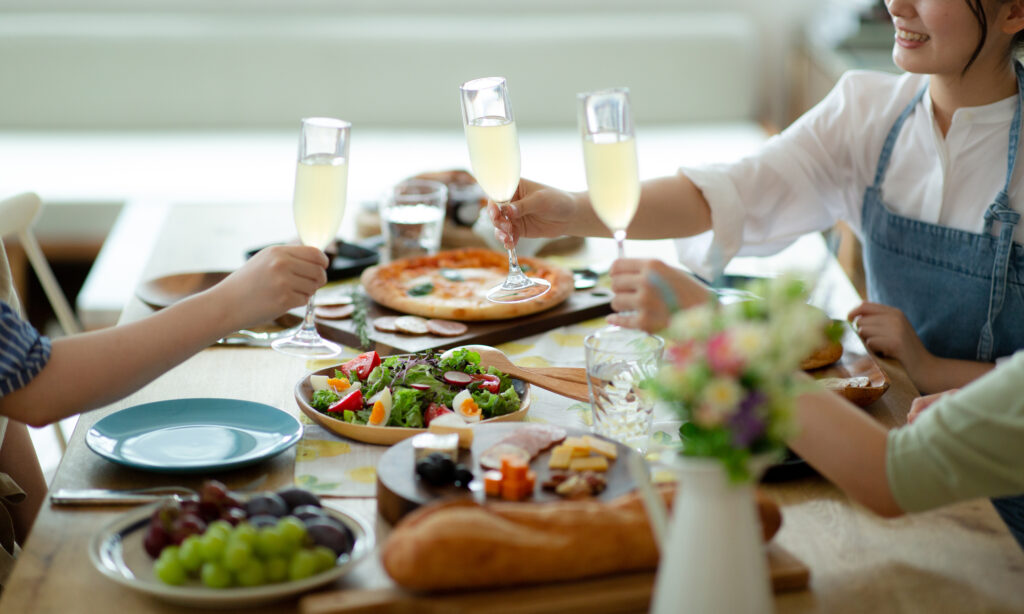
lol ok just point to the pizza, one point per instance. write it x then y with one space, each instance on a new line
454 284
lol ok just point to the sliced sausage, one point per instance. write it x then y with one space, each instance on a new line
446 328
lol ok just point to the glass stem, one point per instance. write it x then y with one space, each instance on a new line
308 328
516 277
620 241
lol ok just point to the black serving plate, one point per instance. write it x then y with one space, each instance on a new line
348 259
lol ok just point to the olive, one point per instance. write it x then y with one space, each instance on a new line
463 476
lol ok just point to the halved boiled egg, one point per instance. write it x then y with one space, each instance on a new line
464 405
381 412
318 382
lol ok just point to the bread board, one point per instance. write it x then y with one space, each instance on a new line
602 595
400 492
580 306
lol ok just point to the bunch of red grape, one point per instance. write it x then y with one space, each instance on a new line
271 537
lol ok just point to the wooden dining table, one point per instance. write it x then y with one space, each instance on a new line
959 558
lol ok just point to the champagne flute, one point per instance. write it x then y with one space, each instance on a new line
609 154
494 156
321 180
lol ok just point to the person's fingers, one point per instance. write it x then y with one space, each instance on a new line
864 309
630 265
879 345
627 282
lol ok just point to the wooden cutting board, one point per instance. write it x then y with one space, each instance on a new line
609 594
581 305
400 492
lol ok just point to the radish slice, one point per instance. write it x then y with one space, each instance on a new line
457 378
419 386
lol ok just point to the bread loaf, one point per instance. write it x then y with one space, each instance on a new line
462 544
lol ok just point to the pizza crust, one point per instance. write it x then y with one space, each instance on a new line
465 299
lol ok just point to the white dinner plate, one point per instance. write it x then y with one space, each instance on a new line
117 552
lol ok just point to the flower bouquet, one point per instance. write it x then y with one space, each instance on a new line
730 371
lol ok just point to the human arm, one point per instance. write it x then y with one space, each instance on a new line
669 207
93 369
648 291
846 446
886 331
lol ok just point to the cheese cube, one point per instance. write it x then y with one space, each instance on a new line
602 447
590 463
560 458
464 431
576 442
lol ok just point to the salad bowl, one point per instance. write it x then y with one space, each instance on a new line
385 435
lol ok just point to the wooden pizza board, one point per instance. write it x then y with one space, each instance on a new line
603 595
400 492
581 305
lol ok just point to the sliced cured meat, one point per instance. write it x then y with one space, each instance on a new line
535 438
334 301
385 324
527 442
491 459
411 325
334 312
446 328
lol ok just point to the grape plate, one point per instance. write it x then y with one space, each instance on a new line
118 552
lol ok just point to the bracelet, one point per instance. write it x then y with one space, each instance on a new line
665 290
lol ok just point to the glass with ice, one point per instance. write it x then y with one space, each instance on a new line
618 361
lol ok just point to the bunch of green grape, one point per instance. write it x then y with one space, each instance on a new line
244 555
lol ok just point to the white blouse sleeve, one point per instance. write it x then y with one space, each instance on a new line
802 180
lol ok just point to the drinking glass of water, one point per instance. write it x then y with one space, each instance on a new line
412 218
321 183
618 361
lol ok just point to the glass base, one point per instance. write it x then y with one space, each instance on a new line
310 347
517 293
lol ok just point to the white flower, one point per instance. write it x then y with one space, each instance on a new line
749 340
693 323
722 394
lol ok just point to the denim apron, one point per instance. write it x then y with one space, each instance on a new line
962 292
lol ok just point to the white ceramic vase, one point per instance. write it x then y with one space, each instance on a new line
713 560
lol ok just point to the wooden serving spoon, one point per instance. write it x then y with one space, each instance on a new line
493 357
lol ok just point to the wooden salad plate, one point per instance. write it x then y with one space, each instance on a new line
400 492
384 435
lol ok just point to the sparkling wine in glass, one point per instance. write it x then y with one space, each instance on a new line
609 154
494 156
321 181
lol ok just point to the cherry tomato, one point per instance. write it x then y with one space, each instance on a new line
363 365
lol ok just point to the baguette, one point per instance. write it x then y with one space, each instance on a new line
462 544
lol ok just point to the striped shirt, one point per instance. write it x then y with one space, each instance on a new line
23 351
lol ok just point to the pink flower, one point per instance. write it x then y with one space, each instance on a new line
681 354
722 356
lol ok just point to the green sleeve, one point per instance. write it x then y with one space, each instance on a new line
967 445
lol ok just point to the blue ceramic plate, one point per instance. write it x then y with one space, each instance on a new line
193 435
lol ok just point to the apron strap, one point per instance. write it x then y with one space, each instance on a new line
890 139
1008 218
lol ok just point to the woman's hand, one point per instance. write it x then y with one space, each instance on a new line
537 210
922 403
647 292
273 281
886 331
